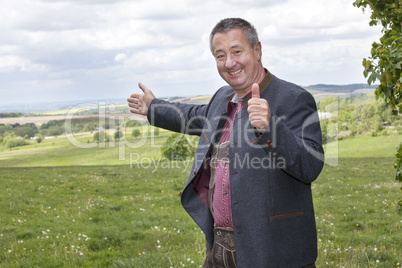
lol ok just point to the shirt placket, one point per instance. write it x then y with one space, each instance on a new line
222 197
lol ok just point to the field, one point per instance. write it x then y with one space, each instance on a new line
75 203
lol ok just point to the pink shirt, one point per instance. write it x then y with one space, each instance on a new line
221 202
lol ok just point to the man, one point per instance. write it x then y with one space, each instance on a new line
259 150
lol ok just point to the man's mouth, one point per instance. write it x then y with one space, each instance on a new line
236 72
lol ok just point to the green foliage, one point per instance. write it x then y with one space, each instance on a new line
128 123
100 136
385 63
136 133
324 130
329 104
118 134
398 167
179 147
96 137
86 124
9 115
10 141
398 163
357 116
27 130
54 131
4 129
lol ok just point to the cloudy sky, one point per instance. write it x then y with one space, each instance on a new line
53 50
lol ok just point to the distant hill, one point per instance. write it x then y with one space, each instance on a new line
339 88
322 91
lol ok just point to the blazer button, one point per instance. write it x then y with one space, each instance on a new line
270 144
195 171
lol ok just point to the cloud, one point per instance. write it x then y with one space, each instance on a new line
75 49
120 57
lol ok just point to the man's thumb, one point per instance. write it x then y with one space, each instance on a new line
255 91
143 88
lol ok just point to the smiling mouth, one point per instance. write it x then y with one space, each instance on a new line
236 72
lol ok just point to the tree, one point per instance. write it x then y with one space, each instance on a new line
39 138
11 140
100 136
136 133
178 147
329 104
118 134
398 167
385 63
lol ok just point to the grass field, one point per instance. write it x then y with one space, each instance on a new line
75 207
81 150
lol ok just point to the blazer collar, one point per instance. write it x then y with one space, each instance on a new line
263 86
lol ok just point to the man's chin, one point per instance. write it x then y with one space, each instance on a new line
235 84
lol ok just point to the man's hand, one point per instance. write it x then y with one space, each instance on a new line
258 110
139 102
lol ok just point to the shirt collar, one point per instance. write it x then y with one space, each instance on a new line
235 99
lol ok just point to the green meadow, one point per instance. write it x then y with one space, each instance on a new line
75 203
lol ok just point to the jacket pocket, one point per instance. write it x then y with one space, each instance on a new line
277 217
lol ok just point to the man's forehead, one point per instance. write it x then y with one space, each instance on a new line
229 39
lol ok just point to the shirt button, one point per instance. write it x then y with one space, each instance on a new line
227 221
225 192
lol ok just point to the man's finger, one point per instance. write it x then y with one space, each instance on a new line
255 91
135 96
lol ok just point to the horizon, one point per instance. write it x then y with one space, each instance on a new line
47 106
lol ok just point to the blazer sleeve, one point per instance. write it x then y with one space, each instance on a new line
177 117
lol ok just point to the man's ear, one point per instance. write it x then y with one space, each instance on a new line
258 50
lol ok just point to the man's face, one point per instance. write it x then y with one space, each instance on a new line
238 64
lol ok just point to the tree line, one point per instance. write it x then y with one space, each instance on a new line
357 116
349 117
14 135
11 115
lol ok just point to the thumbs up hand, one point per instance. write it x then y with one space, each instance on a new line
258 110
139 102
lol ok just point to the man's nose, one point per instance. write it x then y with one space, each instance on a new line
230 62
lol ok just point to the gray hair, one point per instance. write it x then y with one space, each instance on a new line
231 23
